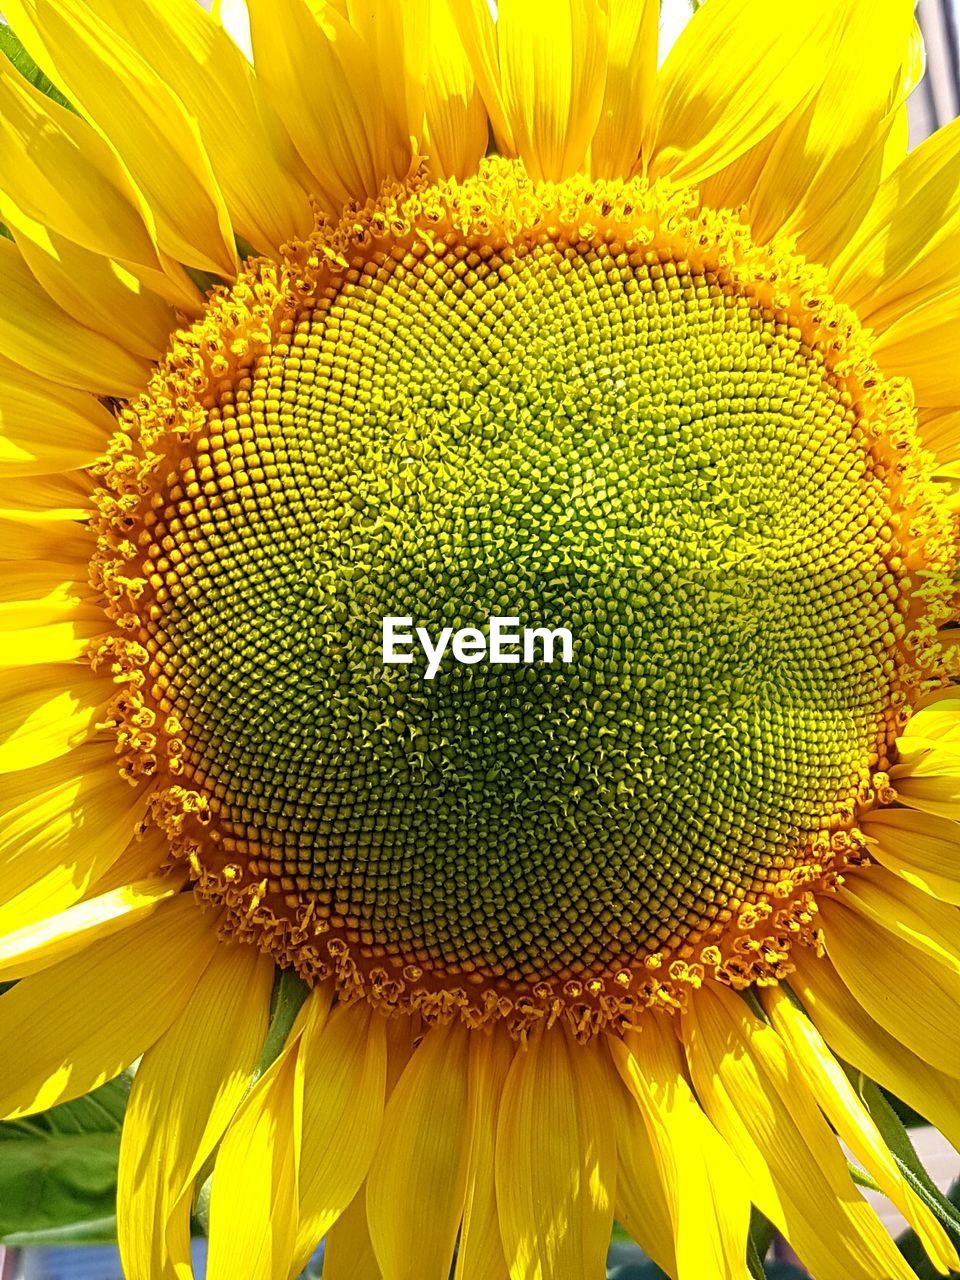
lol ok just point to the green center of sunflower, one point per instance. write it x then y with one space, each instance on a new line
493 403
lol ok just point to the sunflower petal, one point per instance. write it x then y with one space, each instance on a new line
892 904
923 849
321 80
907 248
641 1207
72 820
45 711
858 1039
249 152
630 87
871 958
703 117
706 1189
418 1181
478 36
45 427
61 175
480 1253
853 1122
756 1097
345 1064
142 978
170 1130
253 1200
56 642
553 81
36 333
348 1252
37 946
40 593
556 1164
143 120
455 119
922 345
814 177
100 294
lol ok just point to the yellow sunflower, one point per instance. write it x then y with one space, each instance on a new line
417 314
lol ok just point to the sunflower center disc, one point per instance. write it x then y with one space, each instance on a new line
513 403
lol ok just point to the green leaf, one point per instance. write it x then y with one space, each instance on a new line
895 1135
861 1177
58 1170
758 1245
754 1262
10 46
289 993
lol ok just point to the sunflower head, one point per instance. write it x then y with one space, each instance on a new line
592 403
410 312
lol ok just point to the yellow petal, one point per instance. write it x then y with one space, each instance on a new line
930 926
480 1252
253 1199
348 1253
757 1098
62 175
139 979
556 1162
704 117
852 1121
478 36
72 818
922 345
65 180
815 174
37 946
641 1207
936 720
185 1092
928 778
321 79
45 427
858 1039
27 536
455 119
142 857
395 40
55 642
36 333
41 592
45 711
706 1189
902 977
249 152
142 119
630 87
553 80
417 1183
345 1064
923 849
100 293
907 249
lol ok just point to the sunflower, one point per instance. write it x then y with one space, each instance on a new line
416 313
